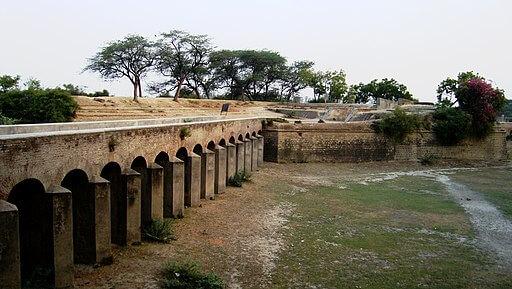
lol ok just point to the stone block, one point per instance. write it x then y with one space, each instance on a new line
100 189
207 174
155 187
254 153
240 156
132 192
193 193
220 169
248 155
174 188
261 141
10 276
230 161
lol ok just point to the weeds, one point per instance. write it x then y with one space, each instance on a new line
429 159
159 231
239 178
188 276
184 133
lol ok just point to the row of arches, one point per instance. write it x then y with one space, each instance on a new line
119 203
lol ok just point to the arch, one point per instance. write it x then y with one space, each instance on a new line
211 145
253 134
162 158
182 154
35 217
83 216
259 132
247 136
198 149
112 173
232 140
222 142
140 165
240 137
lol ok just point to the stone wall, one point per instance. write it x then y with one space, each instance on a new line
357 142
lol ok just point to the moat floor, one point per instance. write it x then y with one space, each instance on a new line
371 225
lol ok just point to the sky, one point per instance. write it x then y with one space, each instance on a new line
417 42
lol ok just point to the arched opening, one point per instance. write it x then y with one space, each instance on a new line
35 218
83 216
198 149
259 132
247 136
240 137
253 134
163 160
211 145
222 142
182 154
140 165
112 173
232 140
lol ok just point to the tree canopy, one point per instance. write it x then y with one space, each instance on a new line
132 57
385 88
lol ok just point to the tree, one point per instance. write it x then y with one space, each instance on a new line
295 78
329 85
33 84
248 73
8 82
74 89
131 57
182 58
337 86
476 96
385 88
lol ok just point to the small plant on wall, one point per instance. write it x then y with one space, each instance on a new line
112 143
184 133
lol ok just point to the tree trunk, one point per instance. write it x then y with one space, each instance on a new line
196 91
178 89
135 91
140 87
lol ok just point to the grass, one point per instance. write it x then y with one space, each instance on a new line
239 178
400 233
494 183
189 276
159 231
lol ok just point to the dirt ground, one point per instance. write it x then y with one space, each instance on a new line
267 234
120 108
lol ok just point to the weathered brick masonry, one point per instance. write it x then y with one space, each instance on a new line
357 142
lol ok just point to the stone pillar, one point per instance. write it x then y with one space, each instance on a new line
220 169
260 150
240 156
131 190
193 192
174 188
254 153
248 155
9 246
155 189
207 174
61 226
100 189
231 161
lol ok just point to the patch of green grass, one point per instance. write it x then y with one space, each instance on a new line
189 276
159 231
494 183
239 178
401 233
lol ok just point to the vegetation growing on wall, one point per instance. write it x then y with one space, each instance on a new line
398 125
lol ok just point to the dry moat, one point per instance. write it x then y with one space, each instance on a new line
369 225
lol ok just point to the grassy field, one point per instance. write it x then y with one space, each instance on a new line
406 232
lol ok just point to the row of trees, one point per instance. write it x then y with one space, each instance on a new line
189 65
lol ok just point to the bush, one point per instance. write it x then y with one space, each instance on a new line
189 275
429 159
451 125
159 231
38 105
398 125
4 120
239 178
184 133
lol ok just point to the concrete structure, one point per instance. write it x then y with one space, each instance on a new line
254 152
247 154
81 187
357 142
240 156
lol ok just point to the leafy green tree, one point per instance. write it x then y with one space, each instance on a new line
132 57
8 82
451 125
385 88
248 73
33 84
329 86
183 59
447 89
74 89
295 78
398 125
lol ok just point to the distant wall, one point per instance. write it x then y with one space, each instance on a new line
356 142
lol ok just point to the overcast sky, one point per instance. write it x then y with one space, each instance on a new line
417 42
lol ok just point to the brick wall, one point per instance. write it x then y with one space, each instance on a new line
356 142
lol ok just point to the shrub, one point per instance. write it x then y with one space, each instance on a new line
159 231
4 120
451 125
184 133
38 105
429 159
239 178
398 125
189 275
